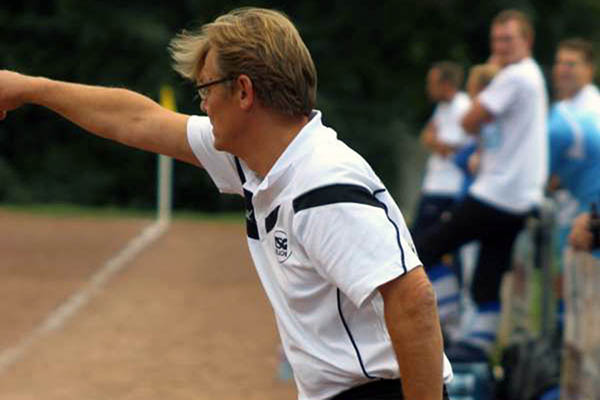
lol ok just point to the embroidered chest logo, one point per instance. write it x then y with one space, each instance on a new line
282 250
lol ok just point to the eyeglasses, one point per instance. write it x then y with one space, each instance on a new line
203 90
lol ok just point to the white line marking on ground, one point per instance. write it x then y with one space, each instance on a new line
80 298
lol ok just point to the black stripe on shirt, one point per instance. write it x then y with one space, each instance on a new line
239 169
271 219
336 193
360 360
395 227
251 226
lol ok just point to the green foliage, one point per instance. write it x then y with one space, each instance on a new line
371 59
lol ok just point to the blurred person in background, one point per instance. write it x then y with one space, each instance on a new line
574 127
468 159
443 182
572 77
574 134
510 180
571 156
575 160
573 74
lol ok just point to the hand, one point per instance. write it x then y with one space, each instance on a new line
13 87
581 236
443 149
429 138
473 162
553 183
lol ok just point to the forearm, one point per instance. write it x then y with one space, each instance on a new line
475 117
428 136
444 149
113 113
413 323
104 111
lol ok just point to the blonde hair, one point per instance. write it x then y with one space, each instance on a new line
262 44
482 74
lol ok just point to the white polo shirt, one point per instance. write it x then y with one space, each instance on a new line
324 234
442 176
514 159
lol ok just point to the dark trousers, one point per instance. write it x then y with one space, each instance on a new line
429 212
470 220
382 389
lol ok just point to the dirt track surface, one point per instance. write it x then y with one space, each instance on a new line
187 319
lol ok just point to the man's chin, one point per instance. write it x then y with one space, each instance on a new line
217 143
220 146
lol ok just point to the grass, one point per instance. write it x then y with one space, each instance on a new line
73 210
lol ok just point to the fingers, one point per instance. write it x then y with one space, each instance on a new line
2 115
581 237
580 240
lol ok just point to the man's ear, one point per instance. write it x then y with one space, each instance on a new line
246 92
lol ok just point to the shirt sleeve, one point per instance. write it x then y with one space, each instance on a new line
219 165
560 139
501 93
354 246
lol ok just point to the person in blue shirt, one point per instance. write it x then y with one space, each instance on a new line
574 156
573 82
575 153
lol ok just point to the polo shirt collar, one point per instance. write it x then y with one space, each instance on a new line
296 149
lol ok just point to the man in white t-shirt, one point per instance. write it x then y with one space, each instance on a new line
443 181
354 308
510 180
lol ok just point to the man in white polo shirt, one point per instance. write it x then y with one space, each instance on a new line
510 180
355 310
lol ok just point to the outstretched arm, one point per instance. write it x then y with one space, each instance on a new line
116 114
413 324
475 117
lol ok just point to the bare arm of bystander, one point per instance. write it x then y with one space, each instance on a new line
475 117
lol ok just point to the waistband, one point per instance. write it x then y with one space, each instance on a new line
381 389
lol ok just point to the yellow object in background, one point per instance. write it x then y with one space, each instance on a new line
167 97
